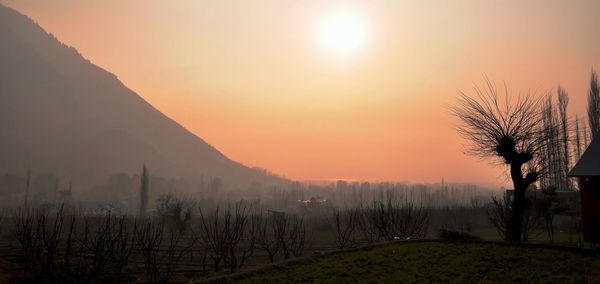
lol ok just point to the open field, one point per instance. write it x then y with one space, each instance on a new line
433 262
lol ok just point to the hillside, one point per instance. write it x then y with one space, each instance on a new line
61 113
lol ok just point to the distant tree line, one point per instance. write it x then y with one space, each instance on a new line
565 138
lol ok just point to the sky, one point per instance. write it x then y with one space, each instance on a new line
324 90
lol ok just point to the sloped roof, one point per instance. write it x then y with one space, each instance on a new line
589 163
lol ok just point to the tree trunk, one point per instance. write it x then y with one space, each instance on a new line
515 228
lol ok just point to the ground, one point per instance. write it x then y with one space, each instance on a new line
434 262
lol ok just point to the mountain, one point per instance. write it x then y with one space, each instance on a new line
61 113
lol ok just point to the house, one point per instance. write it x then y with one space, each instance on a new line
587 170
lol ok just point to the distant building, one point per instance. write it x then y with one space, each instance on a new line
587 170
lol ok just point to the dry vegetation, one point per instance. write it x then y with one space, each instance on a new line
63 245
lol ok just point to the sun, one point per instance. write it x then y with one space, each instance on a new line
342 33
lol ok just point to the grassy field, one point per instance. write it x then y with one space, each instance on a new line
435 262
539 236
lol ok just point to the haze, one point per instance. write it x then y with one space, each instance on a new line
252 78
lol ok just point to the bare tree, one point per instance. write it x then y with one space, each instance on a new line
293 240
213 237
345 223
25 232
46 251
239 239
124 243
500 212
563 102
585 135
67 270
269 229
281 233
83 239
577 138
507 128
226 236
594 105
298 237
366 224
175 251
51 239
250 238
397 221
551 157
149 239
99 244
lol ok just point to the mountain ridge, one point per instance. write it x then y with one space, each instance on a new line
60 112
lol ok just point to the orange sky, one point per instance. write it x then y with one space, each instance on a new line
250 78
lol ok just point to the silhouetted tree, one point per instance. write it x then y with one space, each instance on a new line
229 235
366 223
500 212
294 238
149 237
29 239
554 156
269 227
508 129
594 105
344 223
577 138
563 102
124 242
399 221
144 191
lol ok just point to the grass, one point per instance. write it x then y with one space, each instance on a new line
435 262
539 236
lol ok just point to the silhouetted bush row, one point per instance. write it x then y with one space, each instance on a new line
64 246
380 221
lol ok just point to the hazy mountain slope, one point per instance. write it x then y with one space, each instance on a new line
61 113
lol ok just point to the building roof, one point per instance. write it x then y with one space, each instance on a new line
589 163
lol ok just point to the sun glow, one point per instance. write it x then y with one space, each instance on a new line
342 34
